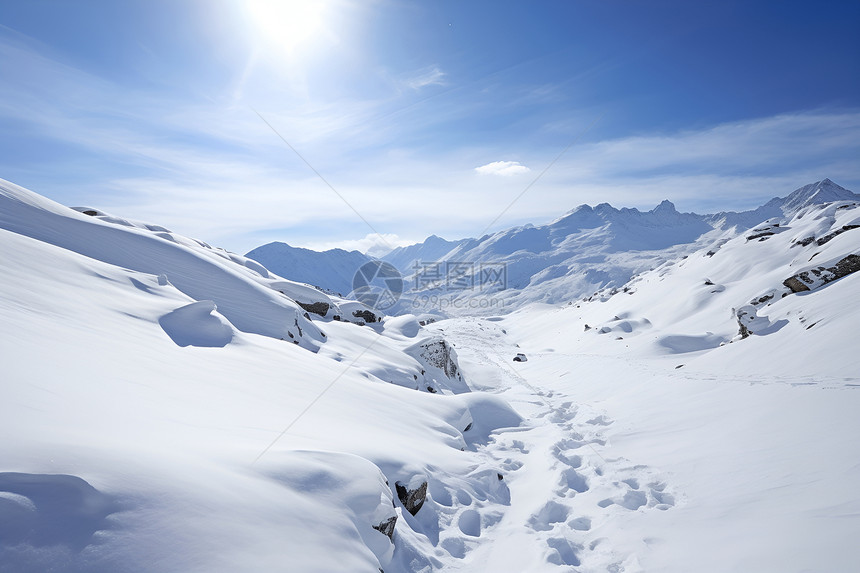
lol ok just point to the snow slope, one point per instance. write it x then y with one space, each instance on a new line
668 440
159 415
156 420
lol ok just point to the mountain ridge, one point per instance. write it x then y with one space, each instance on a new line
584 250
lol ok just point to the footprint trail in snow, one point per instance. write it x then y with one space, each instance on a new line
563 485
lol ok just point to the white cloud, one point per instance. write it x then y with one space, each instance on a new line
503 168
432 76
212 169
375 245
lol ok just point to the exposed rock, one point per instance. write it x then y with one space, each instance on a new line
366 315
813 278
795 284
749 322
412 496
320 308
826 238
520 357
90 212
439 354
803 242
846 266
761 236
387 527
762 299
744 331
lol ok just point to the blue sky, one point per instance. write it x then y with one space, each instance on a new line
424 117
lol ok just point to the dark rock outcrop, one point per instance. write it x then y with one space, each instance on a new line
412 497
744 330
438 353
366 315
813 278
320 308
795 284
761 236
387 527
826 238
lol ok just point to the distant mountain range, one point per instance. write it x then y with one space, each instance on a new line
585 250
330 270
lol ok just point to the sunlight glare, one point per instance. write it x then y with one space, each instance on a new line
287 23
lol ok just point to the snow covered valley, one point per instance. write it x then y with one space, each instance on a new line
171 407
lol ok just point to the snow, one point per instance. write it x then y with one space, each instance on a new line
585 250
332 269
171 407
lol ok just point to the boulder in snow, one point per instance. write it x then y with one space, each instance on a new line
412 493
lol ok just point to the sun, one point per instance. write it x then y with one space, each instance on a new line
287 23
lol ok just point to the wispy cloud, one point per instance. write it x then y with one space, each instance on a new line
372 244
503 168
208 167
431 76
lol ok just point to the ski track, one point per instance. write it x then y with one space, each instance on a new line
582 484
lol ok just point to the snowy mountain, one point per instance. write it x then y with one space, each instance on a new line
332 270
824 191
587 249
433 248
173 407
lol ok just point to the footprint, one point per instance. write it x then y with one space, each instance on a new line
511 465
580 523
632 482
631 500
550 514
470 523
600 421
565 552
664 499
519 445
560 449
455 546
572 480
440 493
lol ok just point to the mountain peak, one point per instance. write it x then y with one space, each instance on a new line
665 206
824 191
